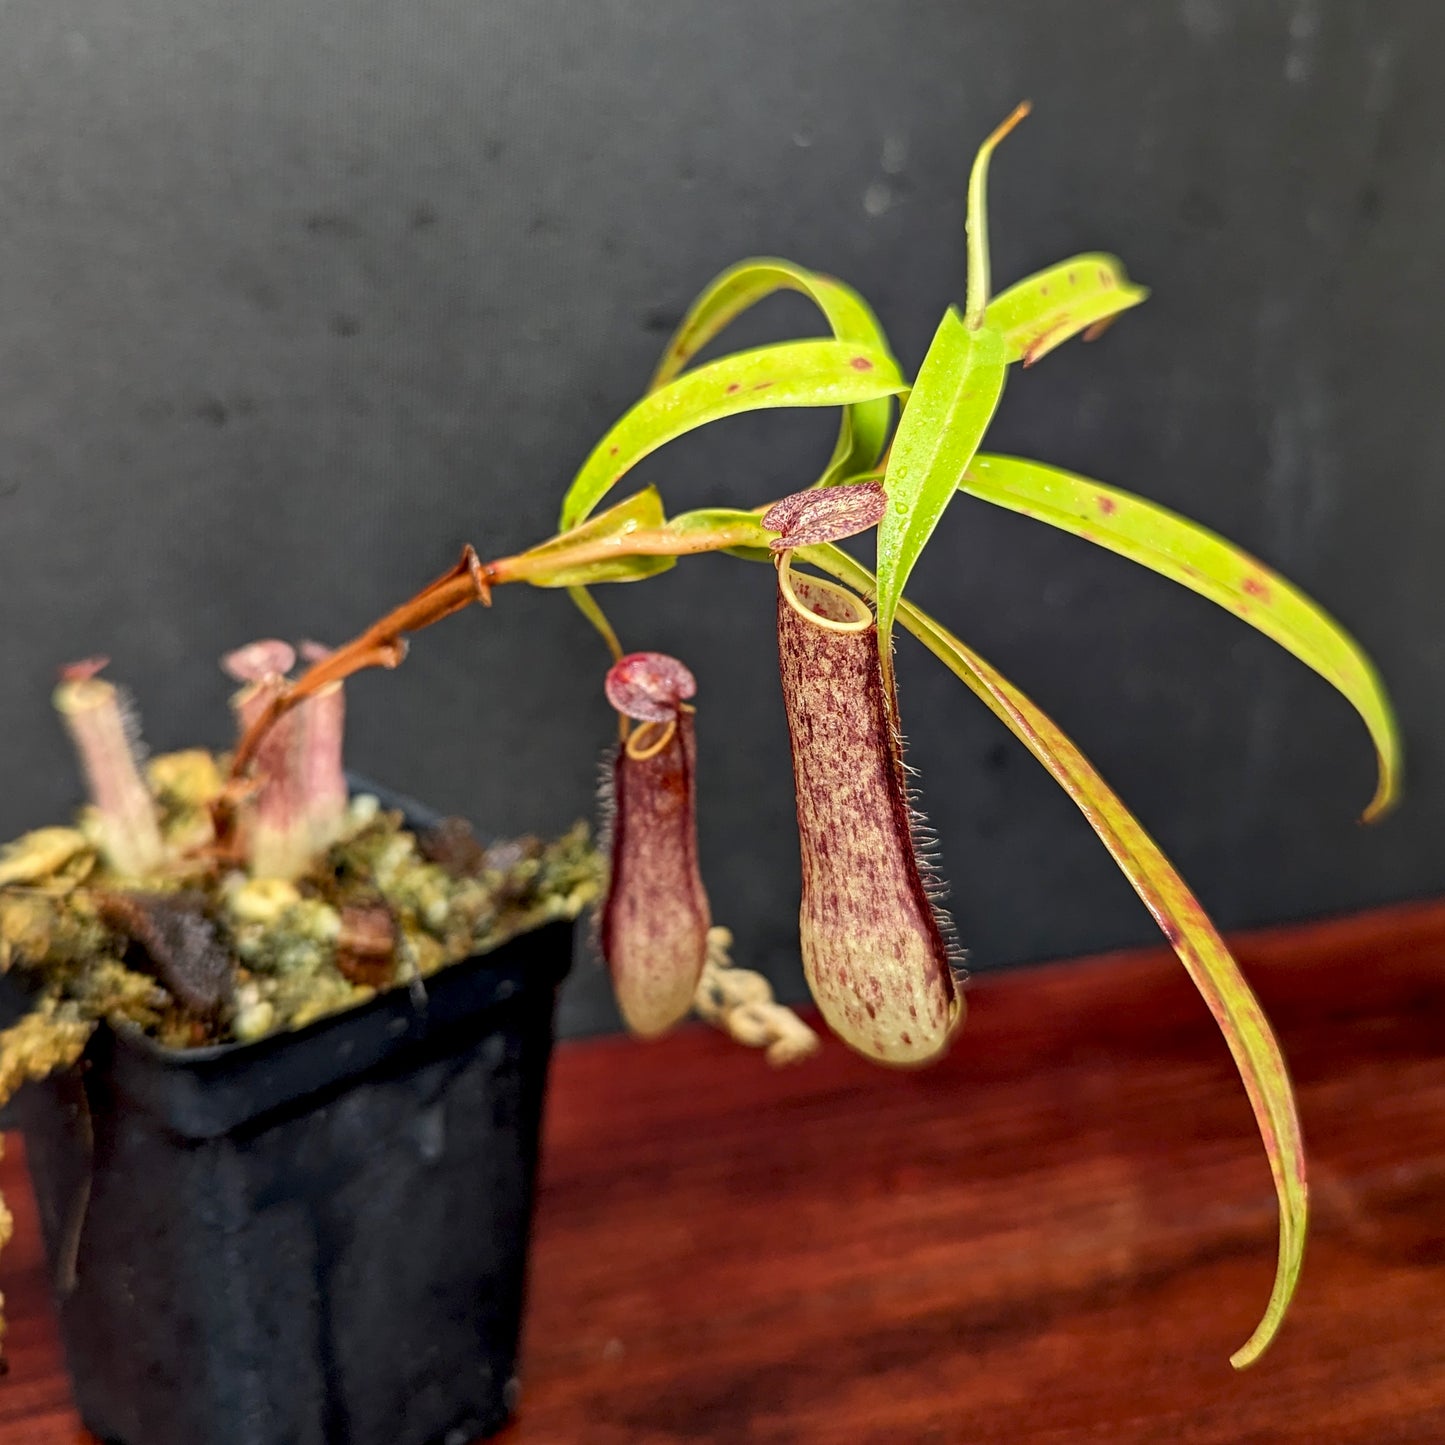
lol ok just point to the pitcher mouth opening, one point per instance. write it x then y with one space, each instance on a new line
824 604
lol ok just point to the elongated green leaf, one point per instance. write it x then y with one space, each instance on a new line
627 552
1184 923
742 286
743 529
977 220
949 410
748 537
864 425
1044 310
796 373
690 534
630 568
641 510
1204 562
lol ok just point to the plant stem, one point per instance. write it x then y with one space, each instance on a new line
536 564
383 644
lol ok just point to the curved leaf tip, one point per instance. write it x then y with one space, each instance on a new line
863 429
977 222
1206 563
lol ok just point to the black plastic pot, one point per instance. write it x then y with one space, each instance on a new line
316 1239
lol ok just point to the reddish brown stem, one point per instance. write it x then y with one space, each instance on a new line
471 580
382 645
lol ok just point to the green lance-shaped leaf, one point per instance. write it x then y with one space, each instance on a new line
725 529
1204 562
644 509
1044 310
612 528
592 553
745 535
1185 924
977 218
863 429
795 373
948 412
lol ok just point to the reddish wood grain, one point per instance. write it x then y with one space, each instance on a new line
1056 1236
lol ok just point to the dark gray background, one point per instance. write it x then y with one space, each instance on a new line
297 296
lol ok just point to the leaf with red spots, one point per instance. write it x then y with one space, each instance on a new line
864 425
1204 562
1044 310
948 411
798 373
826 515
649 686
1194 938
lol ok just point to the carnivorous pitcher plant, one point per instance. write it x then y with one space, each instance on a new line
877 948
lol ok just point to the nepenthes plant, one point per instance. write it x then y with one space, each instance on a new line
878 949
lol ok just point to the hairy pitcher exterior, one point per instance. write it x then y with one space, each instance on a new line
874 952
655 920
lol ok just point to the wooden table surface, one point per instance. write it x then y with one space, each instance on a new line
1058 1235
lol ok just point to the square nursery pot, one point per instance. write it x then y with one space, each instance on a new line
316 1239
